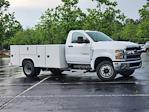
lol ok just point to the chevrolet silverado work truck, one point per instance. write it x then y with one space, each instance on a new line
86 50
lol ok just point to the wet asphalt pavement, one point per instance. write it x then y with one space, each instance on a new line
73 92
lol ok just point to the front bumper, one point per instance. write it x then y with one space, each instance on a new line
128 65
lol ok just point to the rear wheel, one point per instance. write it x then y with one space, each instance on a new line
147 50
105 71
127 73
37 71
29 69
56 71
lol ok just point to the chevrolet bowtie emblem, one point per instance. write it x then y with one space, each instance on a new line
132 52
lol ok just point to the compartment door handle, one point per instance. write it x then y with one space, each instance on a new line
70 46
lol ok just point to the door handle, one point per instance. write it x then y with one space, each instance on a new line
70 46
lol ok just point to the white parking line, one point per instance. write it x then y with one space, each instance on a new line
81 96
89 83
79 83
14 97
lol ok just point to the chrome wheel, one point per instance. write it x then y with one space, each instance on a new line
106 71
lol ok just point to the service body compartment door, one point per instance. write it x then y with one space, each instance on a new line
41 60
14 55
55 56
28 50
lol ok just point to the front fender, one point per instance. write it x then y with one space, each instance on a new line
101 53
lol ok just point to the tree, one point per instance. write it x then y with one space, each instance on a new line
129 30
29 36
144 12
56 23
104 17
8 24
143 28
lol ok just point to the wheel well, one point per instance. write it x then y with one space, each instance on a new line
27 60
100 59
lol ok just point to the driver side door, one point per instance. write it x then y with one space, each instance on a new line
78 53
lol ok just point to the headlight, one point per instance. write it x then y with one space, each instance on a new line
119 54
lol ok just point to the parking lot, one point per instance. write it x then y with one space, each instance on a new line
73 91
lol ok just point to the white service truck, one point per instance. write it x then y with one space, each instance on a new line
86 50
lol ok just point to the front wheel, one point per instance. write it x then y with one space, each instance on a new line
127 73
147 50
105 71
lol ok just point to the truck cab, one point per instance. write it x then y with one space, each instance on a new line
86 50
97 51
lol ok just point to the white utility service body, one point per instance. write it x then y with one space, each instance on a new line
44 56
87 50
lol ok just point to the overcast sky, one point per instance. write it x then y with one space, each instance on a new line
28 12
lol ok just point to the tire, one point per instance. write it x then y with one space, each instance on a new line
127 73
37 71
29 69
105 71
56 71
147 50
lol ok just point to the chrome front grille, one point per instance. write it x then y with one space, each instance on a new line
133 53
133 48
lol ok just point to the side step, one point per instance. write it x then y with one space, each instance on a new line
91 71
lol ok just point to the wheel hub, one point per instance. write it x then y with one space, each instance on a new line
106 70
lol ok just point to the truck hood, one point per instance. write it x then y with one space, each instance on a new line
114 45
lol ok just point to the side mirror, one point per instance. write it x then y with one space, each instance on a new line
86 41
81 40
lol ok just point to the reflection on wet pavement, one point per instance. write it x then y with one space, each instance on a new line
8 71
74 91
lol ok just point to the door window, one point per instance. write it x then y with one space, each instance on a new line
75 36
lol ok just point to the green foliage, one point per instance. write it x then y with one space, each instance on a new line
8 24
129 30
136 30
29 36
106 2
144 12
143 27
55 23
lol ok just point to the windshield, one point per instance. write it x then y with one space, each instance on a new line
99 36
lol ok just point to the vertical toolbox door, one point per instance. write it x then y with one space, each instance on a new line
52 56
14 55
40 62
